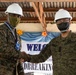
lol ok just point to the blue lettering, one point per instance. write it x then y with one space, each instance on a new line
35 47
29 47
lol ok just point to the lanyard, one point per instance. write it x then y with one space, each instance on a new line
17 44
15 36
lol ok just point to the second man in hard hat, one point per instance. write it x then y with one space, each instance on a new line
62 48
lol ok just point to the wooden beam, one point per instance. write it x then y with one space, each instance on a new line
36 8
12 0
45 9
56 9
47 19
50 0
42 16
24 9
37 1
35 19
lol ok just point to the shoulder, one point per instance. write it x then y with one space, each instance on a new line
3 27
55 39
73 35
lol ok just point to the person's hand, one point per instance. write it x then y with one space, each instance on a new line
24 56
21 60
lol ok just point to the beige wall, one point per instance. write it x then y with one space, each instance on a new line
37 27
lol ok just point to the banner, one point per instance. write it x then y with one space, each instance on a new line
32 43
35 48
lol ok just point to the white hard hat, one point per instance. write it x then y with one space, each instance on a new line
61 13
14 9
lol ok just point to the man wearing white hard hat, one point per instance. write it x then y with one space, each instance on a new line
10 46
62 48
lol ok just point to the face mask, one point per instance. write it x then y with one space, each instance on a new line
14 20
63 27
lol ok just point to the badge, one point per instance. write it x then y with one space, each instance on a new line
17 45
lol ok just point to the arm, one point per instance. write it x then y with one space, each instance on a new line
41 57
7 44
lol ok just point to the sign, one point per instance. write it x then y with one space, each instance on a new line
35 48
